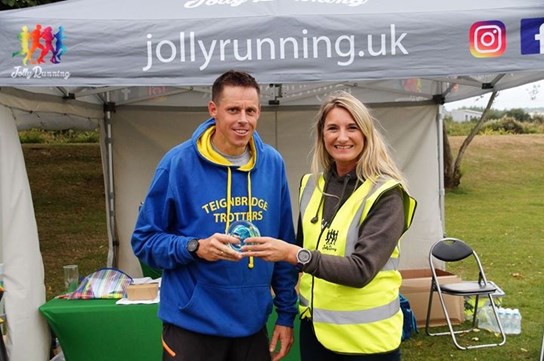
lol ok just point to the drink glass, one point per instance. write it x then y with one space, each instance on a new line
71 277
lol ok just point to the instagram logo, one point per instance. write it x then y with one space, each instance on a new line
487 39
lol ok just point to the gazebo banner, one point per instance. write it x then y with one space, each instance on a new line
190 42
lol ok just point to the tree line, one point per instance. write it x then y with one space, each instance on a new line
518 114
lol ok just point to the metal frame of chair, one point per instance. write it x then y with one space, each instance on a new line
451 250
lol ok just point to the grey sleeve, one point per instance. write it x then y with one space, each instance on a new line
378 236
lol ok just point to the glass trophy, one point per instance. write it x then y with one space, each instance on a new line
242 230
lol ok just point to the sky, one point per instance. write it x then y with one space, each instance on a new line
526 96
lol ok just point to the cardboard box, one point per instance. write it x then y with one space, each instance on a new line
416 285
142 292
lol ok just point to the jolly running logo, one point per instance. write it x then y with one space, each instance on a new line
39 46
33 51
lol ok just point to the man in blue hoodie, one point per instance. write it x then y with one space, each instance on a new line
214 303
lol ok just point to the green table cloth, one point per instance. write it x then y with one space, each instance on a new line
100 330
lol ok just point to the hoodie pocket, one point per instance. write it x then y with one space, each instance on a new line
229 311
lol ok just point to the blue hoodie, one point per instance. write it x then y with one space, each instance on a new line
186 200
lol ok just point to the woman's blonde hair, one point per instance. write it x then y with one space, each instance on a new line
375 160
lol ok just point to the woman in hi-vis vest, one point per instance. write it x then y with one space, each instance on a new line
354 209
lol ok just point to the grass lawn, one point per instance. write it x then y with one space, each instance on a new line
68 194
498 209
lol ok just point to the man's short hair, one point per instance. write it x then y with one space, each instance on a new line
233 78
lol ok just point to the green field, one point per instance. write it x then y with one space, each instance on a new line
498 209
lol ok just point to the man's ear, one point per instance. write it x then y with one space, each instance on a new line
212 108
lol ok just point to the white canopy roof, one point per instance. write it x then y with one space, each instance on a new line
416 49
143 69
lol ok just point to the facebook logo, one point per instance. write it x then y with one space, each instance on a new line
532 36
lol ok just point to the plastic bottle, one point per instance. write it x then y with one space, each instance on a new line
512 321
516 322
486 319
503 317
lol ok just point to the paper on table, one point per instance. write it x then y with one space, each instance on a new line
143 280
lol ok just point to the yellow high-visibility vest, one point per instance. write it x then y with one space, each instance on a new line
351 320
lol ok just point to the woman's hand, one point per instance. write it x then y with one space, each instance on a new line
270 249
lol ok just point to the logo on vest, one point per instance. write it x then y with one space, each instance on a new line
330 240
